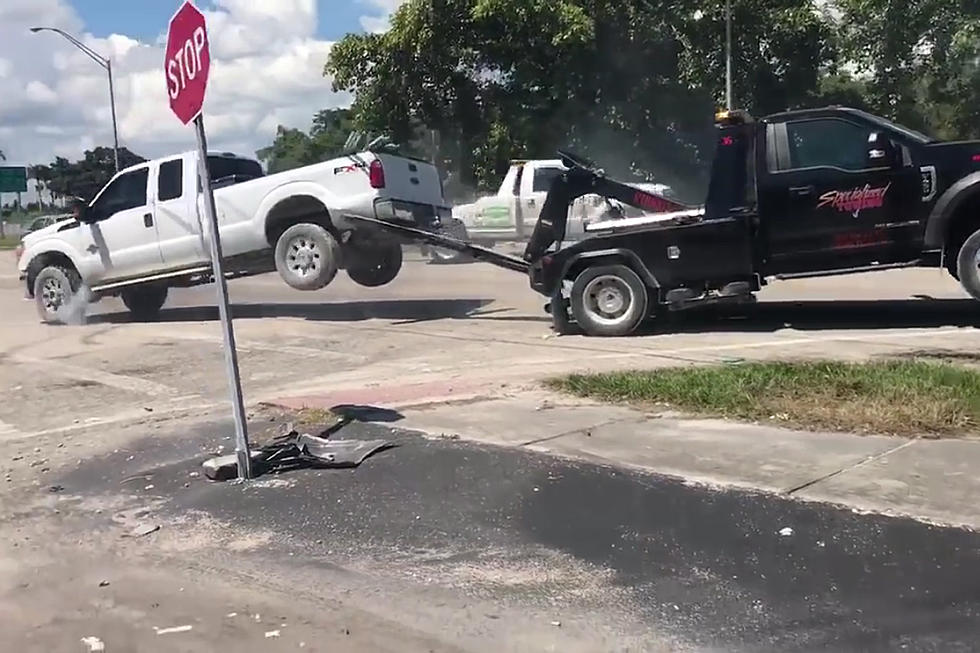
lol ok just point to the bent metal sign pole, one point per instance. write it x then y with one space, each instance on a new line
186 67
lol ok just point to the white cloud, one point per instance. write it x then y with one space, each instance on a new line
266 69
380 19
39 93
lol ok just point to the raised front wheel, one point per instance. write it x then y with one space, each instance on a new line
307 256
609 300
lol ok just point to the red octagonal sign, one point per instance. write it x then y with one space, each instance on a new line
187 62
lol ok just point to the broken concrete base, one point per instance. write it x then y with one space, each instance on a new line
225 468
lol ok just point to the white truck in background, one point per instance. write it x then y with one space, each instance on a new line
510 214
145 231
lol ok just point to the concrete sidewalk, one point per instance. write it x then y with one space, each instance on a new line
931 480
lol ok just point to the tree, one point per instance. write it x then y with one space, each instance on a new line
919 60
632 83
293 148
86 177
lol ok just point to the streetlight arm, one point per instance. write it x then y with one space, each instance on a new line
96 57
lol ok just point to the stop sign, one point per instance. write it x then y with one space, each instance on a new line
187 62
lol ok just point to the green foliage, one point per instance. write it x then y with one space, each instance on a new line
633 83
294 148
85 177
921 61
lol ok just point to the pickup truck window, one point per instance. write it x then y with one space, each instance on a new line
170 182
127 191
543 178
827 142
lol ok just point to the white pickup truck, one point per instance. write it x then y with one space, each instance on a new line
512 212
145 231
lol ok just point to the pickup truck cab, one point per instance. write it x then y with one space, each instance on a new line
805 193
510 214
145 231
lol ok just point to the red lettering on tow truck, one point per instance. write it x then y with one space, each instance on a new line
856 200
653 203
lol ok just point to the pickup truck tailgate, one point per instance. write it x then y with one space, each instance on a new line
411 181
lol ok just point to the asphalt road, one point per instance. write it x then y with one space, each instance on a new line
491 540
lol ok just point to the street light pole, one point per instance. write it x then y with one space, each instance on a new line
106 63
728 54
112 106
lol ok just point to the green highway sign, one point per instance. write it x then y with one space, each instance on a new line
13 179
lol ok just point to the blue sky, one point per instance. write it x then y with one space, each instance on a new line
145 19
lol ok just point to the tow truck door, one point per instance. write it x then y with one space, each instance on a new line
825 205
535 183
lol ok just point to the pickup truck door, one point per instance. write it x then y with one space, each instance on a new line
119 236
175 210
535 184
825 206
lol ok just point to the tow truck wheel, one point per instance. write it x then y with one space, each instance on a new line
55 290
145 302
373 263
609 300
968 265
307 256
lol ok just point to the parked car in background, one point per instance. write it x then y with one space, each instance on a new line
510 214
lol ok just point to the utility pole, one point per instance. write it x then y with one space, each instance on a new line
728 54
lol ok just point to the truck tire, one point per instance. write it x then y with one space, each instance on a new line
55 289
968 265
373 263
307 256
144 302
609 300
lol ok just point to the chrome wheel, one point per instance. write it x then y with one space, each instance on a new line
53 295
303 256
608 299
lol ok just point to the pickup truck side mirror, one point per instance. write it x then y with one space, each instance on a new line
80 210
882 152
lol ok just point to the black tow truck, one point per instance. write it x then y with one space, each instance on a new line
805 193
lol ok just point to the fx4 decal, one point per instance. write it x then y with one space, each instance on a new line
928 182
856 200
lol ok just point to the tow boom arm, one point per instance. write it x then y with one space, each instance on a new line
581 178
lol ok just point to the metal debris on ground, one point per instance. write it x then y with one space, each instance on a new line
175 629
94 644
786 532
294 451
144 529
271 633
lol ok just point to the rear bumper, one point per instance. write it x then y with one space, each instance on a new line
422 216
